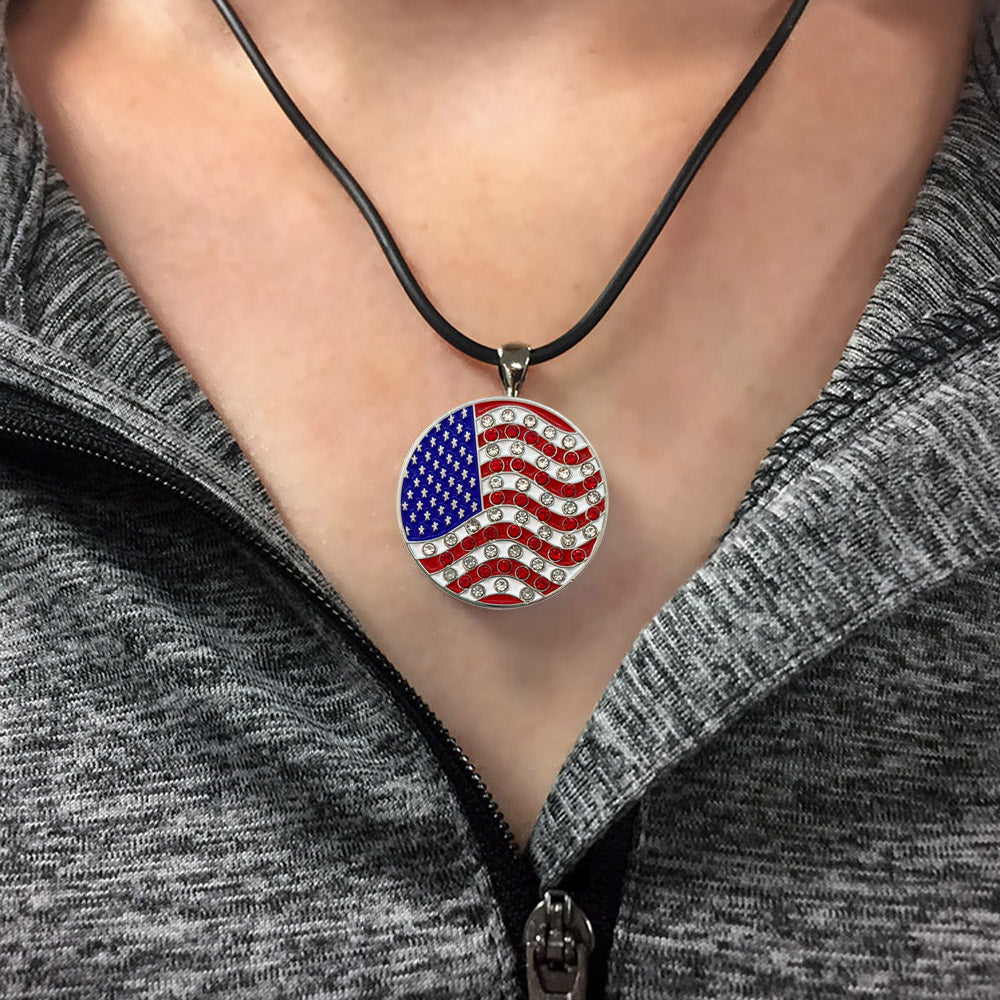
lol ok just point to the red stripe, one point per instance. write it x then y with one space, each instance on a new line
558 522
498 533
549 482
500 599
515 432
491 568
539 411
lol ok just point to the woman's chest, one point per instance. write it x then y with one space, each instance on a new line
271 290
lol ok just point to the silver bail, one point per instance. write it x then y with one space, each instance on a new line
513 365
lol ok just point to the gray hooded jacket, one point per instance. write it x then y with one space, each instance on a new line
213 785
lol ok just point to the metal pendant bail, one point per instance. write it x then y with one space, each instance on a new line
513 364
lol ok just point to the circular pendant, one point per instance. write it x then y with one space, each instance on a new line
502 502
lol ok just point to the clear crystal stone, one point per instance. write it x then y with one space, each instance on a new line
542 462
491 552
516 448
569 441
469 562
593 497
530 420
569 507
429 549
522 485
450 575
496 483
507 415
537 564
587 469
563 473
501 586
590 531
451 539
478 591
521 517
473 526
527 595
493 450
548 499
544 531
558 575
495 514
487 421
549 432
569 541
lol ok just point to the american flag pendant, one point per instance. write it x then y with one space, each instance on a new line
502 502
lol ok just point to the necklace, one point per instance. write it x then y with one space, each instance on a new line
502 501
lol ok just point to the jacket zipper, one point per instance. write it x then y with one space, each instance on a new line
557 936
558 941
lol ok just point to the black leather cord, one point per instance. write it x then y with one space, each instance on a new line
629 265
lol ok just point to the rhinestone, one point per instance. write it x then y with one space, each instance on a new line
527 595
530 420
544 531
563 473
569 541
587 469
495 514
493 450
547 499
521 517
451 539
487 421
549 432
429 549
569 507
515 552
507 416
491 552
450 575
496 483
590 531
501 586
516 448
593 497
537 564
469 562
542 462
473 526
569 442
522 485
478 591
558 575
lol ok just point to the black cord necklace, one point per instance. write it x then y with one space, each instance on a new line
502 501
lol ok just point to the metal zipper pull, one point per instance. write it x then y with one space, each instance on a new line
558 940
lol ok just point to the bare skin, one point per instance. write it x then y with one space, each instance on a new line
516 150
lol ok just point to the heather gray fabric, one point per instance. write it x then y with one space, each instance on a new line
206 791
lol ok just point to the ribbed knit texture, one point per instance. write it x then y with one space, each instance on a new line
208 789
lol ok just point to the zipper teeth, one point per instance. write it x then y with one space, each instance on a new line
399 682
